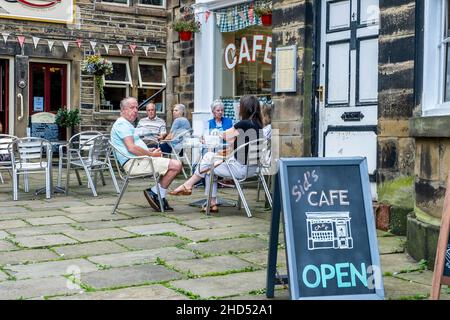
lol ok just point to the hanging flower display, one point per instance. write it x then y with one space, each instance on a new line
264 10
98 67
186 24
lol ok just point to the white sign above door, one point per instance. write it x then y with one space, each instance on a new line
56 11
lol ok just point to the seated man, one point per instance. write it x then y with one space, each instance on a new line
124 138
152 126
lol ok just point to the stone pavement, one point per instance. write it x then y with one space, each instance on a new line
73 248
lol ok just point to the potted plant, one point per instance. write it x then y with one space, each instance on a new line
98 67
265 12
185 26
68 118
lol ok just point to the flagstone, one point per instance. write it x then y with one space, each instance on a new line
122 223
397 262
402 289
40 230
44 240
106 208
150 242
49 220
7 246
97 216
100 234
129 276
391 244
223 222
260 257
89 249
26 256
8 224
4 234
142 256
157 228
223 233
231 245
52 268
223 286
204 266
32 288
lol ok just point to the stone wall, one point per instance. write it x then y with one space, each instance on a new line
396 89
293 25
180 63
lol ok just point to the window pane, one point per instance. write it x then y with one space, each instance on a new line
113 96
152 73
56 80
38 88
116 1
447 75
152 2
119 72
145 93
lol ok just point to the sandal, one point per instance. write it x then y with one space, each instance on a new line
212 209
183 192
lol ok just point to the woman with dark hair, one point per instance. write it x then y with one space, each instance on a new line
246 130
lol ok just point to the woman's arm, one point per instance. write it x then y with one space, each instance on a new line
229 135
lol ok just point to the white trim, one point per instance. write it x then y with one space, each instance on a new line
163 6
218 4
115 4
128 71
11 95
143 84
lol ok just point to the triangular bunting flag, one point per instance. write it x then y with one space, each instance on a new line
50 44
79 42
93 45
21 40
250 15
36 41
120 47
145 48
155 48
207 14
132 48
5 36
66 45
106 47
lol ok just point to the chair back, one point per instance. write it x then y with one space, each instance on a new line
80 140
250 154
100 149
5 141
30 153
179 138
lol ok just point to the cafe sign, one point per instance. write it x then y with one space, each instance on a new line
248 53
57 11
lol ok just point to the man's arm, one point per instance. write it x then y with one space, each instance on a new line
138 151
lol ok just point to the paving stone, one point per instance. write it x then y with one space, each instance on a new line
260 257
391 244
143 256
129 276
52 268
223 286
40 230
423 277
96 235
54 203
222 222
32 214
138 212
222 233
157 228
85 209
35 288
3 276
210 265
7 246
97 216
279 294
4 235
150 242
152 292
44 240
397 262
232 245
122 223
11 210
89 249
49 220
395 288
8 224
22 256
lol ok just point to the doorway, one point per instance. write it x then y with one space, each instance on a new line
347 92
4 101
48 87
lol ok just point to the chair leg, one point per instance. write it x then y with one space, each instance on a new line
15 186
113 177
182 166
26 183
68 176
78 178
242 197
258 189
60 165
103 178
48 184
90 182
266 188
125 185
1 178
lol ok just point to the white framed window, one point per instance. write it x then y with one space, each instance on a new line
152 3
125 3
117 85
436 63
152 78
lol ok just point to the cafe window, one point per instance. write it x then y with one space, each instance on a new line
152 78
245 62
117 85
152 3
117 2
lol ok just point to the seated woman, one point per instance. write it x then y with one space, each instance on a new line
218 122
266 112
248 129
179 124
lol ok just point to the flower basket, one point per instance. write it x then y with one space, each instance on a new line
186 25
265 12
185 35
98 67
266 19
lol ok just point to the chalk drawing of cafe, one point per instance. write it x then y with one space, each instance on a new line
329 230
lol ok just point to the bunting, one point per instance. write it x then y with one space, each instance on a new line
5 36
132 48
66 45
50 44
36 41
120 47
106 46
21 40
93 45
207 14
79 42
145 48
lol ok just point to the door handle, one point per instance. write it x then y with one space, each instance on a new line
321 93
20 96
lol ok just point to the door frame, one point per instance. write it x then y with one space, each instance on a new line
10 92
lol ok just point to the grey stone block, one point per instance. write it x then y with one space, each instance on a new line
89 249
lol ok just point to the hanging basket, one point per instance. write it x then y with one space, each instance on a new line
266 19
185 35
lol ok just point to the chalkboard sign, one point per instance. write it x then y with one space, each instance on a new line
441 274
49 131
329 227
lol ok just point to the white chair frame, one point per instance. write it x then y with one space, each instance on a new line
182 135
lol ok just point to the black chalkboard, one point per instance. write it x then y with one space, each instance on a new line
48 131
329 227
447 259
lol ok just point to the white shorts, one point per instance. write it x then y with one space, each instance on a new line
142 166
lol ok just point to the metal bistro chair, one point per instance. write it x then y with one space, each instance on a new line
75 141
126 177
97 160
255 150
31 155
5 157
176 153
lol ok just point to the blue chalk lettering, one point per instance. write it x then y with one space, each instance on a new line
317 275
361 276
340 274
